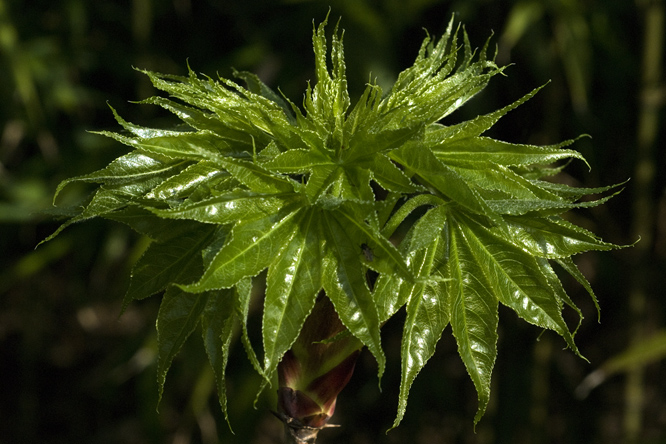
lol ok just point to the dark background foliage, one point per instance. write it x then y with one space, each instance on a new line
72 370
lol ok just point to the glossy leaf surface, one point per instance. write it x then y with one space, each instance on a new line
374 204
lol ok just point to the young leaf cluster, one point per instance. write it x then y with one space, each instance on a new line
375 203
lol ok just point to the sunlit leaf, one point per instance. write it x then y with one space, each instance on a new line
553 237
345 284
427 316
362 209
253 246
183 184
484 149
227 208
514 277
420 161
473 306
293 281
471 128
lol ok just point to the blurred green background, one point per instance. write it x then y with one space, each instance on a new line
72 370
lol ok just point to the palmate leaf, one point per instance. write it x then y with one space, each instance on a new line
513 276
375 205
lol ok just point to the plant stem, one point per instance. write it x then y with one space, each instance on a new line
297 434
313 372
300 435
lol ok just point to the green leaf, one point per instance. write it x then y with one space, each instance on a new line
428 228
345 284
574 193
242 308
176 320
427 316
176 145
203 122
538 172
514 277
476 126
227 208
407 208
353 184
363 112
321 180
558 289
484 149
391 291
178 261
421 161
388 296
184 183
570 267
377 204
254 244
473 305
245 115
217 325
545 207
292 284
256 178
553 237
366 143
108 199
386 258
130 168
389 176
298 161
256 86
429 91
144 222
328 101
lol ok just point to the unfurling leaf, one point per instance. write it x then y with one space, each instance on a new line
353 211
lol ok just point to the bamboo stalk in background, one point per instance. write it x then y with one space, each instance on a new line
651 99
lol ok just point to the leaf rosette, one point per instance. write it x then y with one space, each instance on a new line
377 206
